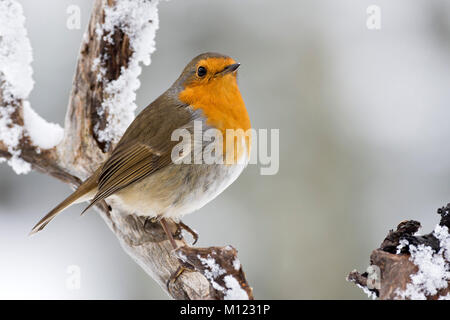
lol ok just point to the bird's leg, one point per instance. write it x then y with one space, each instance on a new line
183 265
168 233
194 234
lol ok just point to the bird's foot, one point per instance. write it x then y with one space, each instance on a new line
184 267
181 226
150 220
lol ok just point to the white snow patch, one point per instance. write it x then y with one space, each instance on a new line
402 244
19 165
43 134
15 52
138 19
236 264
369 293
214 272
434 268
441 232
234 292
214 269
16 80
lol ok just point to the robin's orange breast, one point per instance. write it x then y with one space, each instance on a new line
223 107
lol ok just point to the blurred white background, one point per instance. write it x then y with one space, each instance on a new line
364 122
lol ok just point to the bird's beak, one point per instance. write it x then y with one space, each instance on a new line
229 69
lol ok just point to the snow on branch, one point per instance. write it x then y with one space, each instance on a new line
18 120
120 36
43 134
135 23
221 267
411 266
15 53
15 80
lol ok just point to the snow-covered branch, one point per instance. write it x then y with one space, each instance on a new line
120 37
408 265
134 23
221 267
19 123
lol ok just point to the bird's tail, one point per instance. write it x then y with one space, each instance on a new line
85 191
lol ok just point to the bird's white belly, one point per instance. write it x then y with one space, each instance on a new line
178 189
197 199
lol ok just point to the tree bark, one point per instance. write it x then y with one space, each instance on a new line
391 269
81 152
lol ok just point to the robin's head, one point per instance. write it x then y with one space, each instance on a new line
209 83
209 68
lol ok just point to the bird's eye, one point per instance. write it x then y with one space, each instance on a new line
201 71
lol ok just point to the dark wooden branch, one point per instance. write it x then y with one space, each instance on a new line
81 152
393 260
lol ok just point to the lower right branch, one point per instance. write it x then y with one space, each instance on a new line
408 265
221 266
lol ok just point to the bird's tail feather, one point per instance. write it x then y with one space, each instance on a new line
84 192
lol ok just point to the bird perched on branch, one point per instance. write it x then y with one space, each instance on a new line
148 173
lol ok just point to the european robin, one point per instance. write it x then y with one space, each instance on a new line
140 172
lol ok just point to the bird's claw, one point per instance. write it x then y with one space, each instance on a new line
192 232
174 276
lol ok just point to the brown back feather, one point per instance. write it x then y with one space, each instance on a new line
145 147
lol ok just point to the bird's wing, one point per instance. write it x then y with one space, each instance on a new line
128 165
144 149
